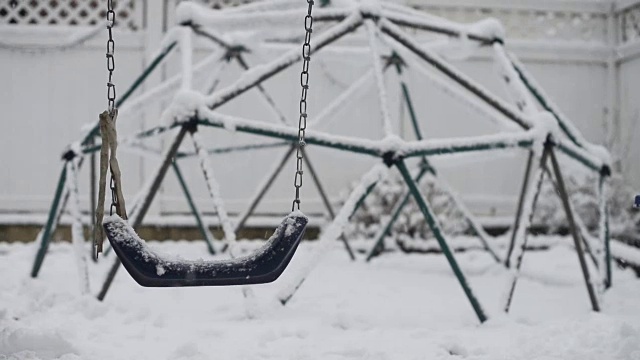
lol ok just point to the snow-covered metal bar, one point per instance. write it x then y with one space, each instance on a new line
574 232
330 109
263 187
195 14
238 148
581 155
52 221
204 228
264 95
325 200
480 143
77 231
451 89
374 38
603 228
534 175
432 221
465 81
567 127
228 19
512 81
335 229
397 146
213 187
261 73
435 25
235 52
395 213
426 166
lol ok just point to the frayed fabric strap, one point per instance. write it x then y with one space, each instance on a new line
108 159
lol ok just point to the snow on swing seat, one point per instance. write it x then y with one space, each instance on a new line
150 269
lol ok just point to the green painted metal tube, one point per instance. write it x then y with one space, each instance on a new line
490 145
407 100
581 159
607 249
206 234
371 150
363 198
435 228
394 215
562 190
50 225
309 139
416 128
230 149
607 236
545 105
147 71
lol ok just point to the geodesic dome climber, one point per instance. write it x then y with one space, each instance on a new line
392 37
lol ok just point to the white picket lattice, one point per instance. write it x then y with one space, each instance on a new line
629 20
69 12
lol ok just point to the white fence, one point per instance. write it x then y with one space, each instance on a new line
584 53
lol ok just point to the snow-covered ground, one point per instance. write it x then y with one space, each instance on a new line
397 307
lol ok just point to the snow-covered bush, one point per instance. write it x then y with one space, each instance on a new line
624 220
411 224
549 215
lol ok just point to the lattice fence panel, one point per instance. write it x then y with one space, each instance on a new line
630 24
69 12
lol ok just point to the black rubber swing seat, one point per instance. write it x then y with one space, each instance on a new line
153 270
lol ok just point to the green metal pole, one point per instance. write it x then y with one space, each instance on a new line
537 94
480 146
375 250
206 234
517 221
397 61
324 140
604 231
277 132
466 82
231 149
416 128
50 225
325 200
363 198
574 232
522 225
578 157
435 228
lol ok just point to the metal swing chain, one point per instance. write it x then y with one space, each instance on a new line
111 88
302 121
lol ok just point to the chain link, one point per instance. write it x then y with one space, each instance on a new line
302 121
111 65
114 196
111 90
